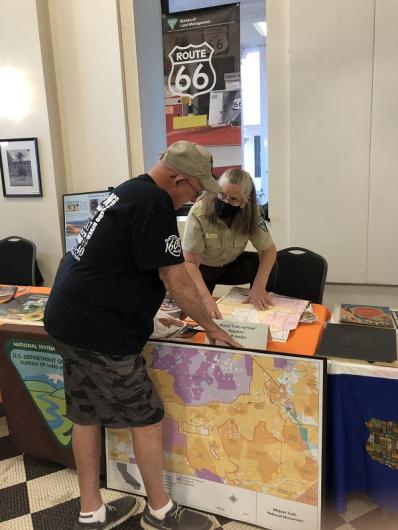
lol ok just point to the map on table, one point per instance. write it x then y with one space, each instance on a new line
242 434
284 313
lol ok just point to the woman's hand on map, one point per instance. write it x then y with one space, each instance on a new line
212 307
259 298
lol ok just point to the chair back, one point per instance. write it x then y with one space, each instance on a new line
301 274
18 262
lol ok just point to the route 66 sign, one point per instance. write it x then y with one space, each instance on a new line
217 38
192 70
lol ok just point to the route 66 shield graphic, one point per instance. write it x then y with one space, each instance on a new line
192 72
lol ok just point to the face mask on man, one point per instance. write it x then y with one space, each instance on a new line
225 210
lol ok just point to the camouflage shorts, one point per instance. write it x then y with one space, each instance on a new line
116 393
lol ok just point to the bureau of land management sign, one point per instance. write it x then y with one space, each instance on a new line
40 370
242 434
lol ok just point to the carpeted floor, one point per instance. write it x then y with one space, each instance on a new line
38 495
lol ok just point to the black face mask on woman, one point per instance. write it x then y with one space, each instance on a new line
225 210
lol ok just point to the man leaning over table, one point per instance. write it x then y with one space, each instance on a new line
100 315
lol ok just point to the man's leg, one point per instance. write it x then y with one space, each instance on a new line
148 451
86 378
160 512
86 443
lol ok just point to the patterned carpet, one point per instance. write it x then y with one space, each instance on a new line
38 495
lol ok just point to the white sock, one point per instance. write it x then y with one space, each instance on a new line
161 513
98 516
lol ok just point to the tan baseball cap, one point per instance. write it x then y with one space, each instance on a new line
192 160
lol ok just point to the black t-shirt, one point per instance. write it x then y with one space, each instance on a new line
108 290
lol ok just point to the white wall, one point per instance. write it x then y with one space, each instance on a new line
333 128
383 186
32 218
90 85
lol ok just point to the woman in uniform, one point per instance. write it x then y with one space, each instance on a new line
216 234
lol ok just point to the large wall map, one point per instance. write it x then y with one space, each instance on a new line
243 434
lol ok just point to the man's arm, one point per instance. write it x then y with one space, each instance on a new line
192 262
180 285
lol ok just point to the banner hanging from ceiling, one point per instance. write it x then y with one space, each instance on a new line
201 57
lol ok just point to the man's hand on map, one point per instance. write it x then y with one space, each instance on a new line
212 307
216 334
259 298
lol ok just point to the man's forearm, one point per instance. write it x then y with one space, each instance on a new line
197 278
184 291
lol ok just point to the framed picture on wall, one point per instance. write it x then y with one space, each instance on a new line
20 168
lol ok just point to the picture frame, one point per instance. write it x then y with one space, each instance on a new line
20 167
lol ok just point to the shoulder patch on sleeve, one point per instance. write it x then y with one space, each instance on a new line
261 223
173 245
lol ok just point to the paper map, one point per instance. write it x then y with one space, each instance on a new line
284 314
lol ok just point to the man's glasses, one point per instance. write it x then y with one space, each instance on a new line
197 193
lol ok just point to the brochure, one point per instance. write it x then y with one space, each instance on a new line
366 315
25 309
7 292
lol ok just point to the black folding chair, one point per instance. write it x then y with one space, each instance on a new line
18 265
301 274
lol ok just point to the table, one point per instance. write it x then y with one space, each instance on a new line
303 340
362 426
24 405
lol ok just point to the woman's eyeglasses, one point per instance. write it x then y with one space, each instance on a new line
234 201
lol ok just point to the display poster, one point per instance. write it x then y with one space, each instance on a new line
78 208
201 57
39 367
242 434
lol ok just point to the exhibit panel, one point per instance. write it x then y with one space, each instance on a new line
243 434
32 386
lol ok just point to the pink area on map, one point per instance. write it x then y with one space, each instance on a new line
202 375
208 475
172 436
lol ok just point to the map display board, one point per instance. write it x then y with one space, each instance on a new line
242 434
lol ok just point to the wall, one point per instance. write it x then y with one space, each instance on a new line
20 49
383 185
90 86
333 129
70 53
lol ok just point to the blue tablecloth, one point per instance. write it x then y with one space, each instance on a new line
362 436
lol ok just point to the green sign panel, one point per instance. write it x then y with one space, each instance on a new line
40 369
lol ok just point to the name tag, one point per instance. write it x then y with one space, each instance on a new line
211 236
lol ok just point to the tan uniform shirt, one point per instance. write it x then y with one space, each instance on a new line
216 243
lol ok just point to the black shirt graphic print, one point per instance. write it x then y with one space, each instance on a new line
106 296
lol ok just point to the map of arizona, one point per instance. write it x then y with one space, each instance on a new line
236 419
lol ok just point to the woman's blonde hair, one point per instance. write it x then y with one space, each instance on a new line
246 220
